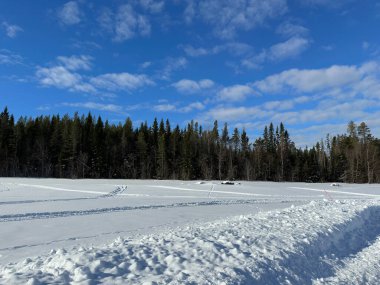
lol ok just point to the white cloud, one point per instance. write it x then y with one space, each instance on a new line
228 17
125 24
164 108
328 111
64 75
191 107
57 76
173 108
234 48
328 47
279 105
191 86
326 3
146 64
82 62
152 6
371 49
316 80
290 48
69 14
96 106
121 81
315 120
235 93
326 100
171 65
289 30
62 78
196 52
9 58
190 11
233 114
11 30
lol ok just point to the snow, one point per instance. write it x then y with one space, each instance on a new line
183 232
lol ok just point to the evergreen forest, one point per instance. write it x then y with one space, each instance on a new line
88 147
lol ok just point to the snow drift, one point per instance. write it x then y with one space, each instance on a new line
322 242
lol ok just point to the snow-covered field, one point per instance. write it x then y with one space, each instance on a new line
185 232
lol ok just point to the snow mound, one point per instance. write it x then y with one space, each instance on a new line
227 182
119 189
322 243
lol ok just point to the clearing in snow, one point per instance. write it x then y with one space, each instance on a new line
186 232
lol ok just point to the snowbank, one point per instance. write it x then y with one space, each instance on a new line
322 242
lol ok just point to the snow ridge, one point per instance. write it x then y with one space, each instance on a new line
317 243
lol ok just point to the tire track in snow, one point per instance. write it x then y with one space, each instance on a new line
208 191
63 214
63 189
334 191
44 201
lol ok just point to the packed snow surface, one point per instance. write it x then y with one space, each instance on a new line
176 232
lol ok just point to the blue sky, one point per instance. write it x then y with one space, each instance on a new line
313 64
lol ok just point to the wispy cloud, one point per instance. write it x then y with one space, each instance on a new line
95 106
324 97
370 48
125 23
326 3
191 107
65 75
290 48
11 30
235 93
152 6
9 58
69 14
81 62
233 114
190 11
233 48
121 81
62 78
191 86
164 107
298 41
288 29
172 64
145 64
316 80
228 17
167 107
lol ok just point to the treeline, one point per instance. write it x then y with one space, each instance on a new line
87 147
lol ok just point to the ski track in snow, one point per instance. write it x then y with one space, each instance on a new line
208 191
63 189
335 191
62 214
321 242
